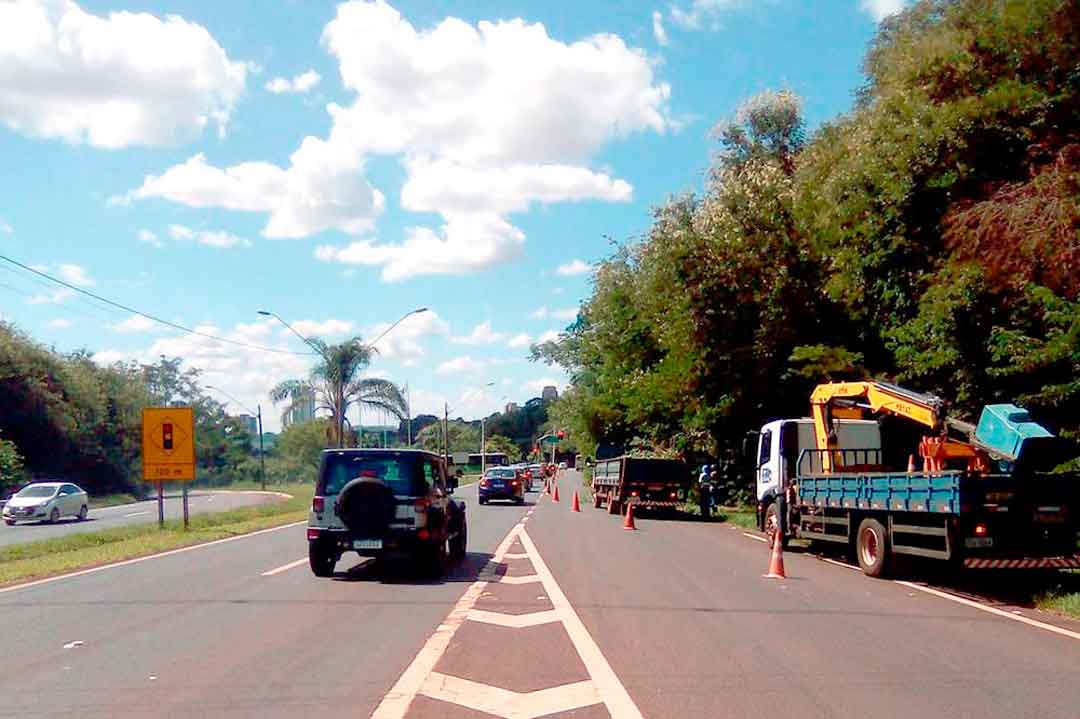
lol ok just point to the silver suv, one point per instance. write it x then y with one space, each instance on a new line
383 503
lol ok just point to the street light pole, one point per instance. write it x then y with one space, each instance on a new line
258 414
483 440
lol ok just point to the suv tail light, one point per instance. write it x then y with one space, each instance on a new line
483 483
312 533
318 505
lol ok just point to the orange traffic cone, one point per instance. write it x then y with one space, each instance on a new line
555 494
776 562
629 523
911 464
575 504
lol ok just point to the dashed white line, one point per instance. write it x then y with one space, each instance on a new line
136 514
755 537
284 567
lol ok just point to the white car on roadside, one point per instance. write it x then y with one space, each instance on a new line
46 502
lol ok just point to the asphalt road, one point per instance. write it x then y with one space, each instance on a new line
578 617
136 513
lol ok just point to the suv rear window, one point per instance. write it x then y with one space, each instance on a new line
501 473
403 473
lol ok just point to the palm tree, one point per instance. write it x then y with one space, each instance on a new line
337 385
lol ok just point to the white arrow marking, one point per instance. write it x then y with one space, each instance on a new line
525 579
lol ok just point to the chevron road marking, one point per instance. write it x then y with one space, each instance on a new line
525 579
514 621
508 704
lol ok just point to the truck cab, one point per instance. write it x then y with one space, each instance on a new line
780 449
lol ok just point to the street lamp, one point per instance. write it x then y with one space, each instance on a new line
322 353
483 440
258 414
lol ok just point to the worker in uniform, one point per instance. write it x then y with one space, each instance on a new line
705 491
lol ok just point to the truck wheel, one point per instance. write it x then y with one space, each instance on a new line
321 560
772 524
872 548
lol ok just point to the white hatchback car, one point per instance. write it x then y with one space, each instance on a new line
46 502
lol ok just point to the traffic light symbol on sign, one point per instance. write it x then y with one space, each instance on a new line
167 436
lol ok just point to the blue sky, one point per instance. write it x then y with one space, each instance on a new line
342 165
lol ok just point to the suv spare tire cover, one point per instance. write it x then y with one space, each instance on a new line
366 506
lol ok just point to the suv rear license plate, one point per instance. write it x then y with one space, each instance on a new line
367 544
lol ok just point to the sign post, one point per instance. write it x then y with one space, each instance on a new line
168 451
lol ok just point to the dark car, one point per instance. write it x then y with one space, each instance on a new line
384 503
502 483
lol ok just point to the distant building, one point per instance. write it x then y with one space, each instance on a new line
550 394
250 423
511 407
301 410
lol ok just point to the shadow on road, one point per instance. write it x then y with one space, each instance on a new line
404 571
61 523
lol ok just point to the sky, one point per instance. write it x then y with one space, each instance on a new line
343 164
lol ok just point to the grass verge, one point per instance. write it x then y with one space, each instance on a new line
35 560
112 500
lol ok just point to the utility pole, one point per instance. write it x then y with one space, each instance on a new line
408 417
446 433
483 448
262 454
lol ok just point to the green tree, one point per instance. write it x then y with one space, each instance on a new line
11 464
300 447
498 443
337 385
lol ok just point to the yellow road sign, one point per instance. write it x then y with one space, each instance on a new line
168 446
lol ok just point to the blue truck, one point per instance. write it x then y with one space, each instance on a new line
983 496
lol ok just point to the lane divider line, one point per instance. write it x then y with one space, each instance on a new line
284 567
515 555
397 701
755 537
991 610
136 514
949 596
148 557
614 695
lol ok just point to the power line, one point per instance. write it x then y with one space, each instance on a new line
150 317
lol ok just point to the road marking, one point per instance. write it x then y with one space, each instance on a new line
524 579
755 537
396 702
991 610
515 555
959 600
514 621
284 567
136 560
505 703
136 514
608 686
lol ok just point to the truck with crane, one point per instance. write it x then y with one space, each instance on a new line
978 496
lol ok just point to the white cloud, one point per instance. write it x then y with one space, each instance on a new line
301 83
245 373
520 340
658 31
54 297
549 336
540 313
482 334
702 13
59 323
210 238
881 9
75 274
6 228
135 323
557 290
466 243
320 190
314 328
536 386
406 341
486 119
460 365
149 238
111 81
573 267
569 314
